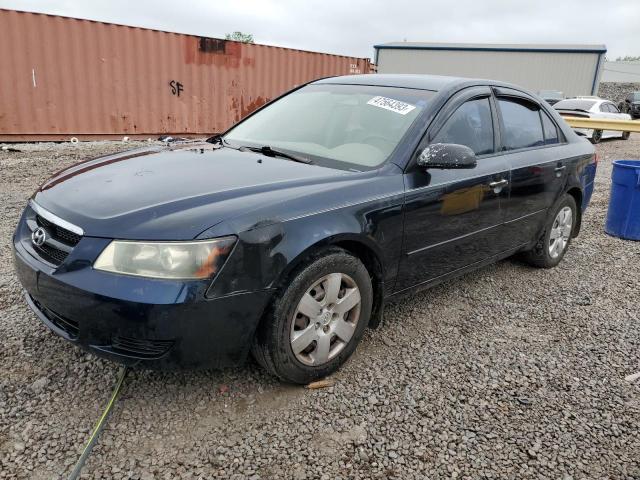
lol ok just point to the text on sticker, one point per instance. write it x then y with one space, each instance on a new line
391 104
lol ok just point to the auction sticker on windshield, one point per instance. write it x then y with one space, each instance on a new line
391 104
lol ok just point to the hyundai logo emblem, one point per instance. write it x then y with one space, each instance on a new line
39 236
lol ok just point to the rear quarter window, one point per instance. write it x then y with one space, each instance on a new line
522 126
550 130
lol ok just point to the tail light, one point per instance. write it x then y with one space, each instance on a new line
595 158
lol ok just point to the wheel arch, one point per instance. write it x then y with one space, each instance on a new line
577 195
360 247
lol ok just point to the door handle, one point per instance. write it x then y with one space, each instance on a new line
499 183
560 168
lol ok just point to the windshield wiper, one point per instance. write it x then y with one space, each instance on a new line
270 152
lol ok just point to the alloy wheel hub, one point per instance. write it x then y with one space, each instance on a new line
325 319
560 232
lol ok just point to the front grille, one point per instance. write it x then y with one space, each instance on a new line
59 241
61 234
141 348
70 327
51 254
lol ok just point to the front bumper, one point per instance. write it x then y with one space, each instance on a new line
158 324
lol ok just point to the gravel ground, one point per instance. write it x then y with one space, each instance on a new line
617 91
508 372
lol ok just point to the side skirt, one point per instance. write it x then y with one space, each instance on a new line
457 273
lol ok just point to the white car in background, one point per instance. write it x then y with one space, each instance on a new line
593 107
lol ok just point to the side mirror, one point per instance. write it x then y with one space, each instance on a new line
447 155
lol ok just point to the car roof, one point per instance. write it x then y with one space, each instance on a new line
593 101
603 100
422 82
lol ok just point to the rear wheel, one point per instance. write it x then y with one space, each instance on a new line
626 135
596 136
318 319
555 240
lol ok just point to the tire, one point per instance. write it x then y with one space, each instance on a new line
543 255
626 135
275 339
596 136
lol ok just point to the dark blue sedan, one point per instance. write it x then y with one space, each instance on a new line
286 235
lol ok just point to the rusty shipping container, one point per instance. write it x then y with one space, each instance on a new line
63 77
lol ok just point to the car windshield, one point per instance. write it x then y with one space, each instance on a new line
341 126
635 97
574 104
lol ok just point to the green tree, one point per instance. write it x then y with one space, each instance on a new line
239 37
628 58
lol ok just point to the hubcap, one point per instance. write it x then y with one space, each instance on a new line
560 232
325 319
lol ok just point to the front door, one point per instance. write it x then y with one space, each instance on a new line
453 218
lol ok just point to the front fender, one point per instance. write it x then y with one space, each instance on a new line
266 254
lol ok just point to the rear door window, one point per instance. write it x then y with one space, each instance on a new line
550 130
471 125
522 125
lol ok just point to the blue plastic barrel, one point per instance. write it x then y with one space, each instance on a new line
623 217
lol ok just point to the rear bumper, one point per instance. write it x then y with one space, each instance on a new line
152 323
587 132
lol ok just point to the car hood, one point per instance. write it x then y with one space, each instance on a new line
174 194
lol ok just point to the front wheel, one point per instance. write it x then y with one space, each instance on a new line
318 319
626 135
596 136
555 240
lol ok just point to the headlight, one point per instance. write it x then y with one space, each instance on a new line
184 260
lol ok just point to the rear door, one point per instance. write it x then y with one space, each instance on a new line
609 111
529 140
453 218
616 114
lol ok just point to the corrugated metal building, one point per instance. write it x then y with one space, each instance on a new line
621 72
572 69
64 77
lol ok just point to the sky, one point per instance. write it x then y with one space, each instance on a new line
352 27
